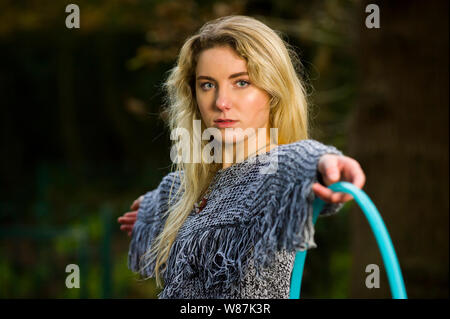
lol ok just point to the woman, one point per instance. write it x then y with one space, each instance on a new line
230 228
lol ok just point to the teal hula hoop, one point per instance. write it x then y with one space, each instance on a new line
381 234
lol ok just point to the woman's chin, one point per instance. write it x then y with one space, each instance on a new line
229 140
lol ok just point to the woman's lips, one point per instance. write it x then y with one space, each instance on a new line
225 123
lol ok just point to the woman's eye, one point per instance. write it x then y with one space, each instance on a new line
209 85
203 85
246 83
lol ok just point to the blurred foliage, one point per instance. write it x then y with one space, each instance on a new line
81 128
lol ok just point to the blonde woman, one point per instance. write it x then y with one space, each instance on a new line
228 220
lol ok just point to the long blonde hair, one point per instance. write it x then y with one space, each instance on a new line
273 66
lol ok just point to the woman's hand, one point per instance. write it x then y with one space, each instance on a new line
335 168
129 218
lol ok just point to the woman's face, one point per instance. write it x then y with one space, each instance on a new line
224 91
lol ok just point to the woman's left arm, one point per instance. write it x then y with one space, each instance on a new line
334 168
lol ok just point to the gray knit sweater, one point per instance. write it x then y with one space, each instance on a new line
243 243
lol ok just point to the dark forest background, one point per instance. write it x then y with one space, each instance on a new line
81 135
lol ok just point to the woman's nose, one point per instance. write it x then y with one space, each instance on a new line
223 101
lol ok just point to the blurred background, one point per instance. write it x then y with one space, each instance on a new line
82 138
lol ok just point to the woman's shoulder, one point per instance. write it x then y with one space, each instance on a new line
172 179
154 201
306 147
299 158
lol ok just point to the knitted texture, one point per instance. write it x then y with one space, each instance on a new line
243 243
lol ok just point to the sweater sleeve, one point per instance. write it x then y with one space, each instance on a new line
304 157
328 208
286 216
149 223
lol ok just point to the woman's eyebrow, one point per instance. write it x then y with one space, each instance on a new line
230 77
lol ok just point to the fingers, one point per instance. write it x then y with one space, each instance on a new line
330 169
323 192
128 218
328 196
358 176
333 169
127 222
126 228
132 214
137 203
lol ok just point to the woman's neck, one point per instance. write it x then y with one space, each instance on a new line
250 146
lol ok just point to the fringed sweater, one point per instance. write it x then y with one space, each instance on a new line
243 243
